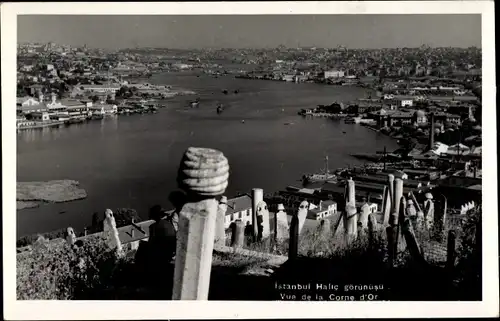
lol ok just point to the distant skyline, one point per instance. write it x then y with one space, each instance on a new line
252 31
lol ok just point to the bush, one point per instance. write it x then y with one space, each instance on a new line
469 258
57 271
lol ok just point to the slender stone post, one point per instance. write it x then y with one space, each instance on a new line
70 236
293 247
238 234
85 232
302 214
282 230
111 232
398 193
352 223
387 205
451 250
220 231
420 213
351 192
411 242
203 175
257 197
439 217
372 226
390 179
401 217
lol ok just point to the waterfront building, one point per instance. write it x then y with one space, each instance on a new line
78 111
24 110
334 74
99 88
104 109
27 101
40 116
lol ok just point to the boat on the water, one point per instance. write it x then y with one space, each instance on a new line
323 176
220 108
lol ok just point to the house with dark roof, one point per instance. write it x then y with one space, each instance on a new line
239 208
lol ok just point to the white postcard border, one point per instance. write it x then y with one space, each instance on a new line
66 310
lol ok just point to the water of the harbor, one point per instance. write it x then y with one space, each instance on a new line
131 161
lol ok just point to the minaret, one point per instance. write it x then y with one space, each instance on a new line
431 131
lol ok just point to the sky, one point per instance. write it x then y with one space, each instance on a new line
256 31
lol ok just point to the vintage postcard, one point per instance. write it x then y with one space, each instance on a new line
246 156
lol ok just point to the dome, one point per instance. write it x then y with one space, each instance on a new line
420 113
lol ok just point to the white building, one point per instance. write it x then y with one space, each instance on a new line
239 208
406 103
27 101
334 74
323 210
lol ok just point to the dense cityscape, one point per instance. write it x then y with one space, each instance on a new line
428 100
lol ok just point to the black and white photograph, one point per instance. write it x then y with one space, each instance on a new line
325 155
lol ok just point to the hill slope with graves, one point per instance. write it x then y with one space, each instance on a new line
406 251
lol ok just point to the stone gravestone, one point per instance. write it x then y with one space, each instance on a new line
263 213
363 216
428 211
302 214
111 232
203 175
411 212
70 236
282 229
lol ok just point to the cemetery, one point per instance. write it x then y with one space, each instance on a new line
406 251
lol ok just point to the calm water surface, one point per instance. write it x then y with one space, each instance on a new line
131 161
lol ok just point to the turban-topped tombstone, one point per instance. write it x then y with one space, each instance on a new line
203 175
70 236
428 210
111 232
281 222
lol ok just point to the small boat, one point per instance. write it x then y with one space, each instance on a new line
225 92
349 120
242 121
324 176
236 91
220 108
289 123
343 132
